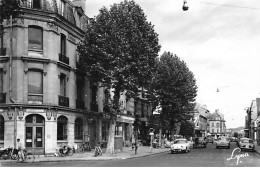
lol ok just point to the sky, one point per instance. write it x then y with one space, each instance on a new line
218 40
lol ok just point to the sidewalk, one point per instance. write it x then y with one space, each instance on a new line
257 148
126 153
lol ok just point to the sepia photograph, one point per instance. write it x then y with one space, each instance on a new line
129 83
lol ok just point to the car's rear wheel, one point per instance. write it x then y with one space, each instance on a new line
216 147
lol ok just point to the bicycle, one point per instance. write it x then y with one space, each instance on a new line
26 155
97 151
64 151
84 147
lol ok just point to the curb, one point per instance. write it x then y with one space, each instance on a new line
90 158
100 158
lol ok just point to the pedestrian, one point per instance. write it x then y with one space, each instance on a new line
133 141
20 149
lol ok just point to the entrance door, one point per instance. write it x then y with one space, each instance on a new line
34 134
92 132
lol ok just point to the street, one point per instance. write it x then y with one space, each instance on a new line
199 157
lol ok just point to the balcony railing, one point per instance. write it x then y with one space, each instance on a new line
94 107
64 101
64 59
2 51
80 104
2 97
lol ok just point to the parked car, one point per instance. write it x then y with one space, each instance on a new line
210 139
200 142
223 141
180 145
246 144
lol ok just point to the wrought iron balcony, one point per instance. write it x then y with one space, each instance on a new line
80 104
2 51
2 97
64 101
64 59
94 107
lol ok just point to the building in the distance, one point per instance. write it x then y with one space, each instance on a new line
201 120
217 124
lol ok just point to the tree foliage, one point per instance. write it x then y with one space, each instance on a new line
187 129
119 49
174 88
8 8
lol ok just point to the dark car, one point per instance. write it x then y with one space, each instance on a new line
233 139
210 139
200 142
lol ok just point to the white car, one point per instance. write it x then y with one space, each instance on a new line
180 145
223 141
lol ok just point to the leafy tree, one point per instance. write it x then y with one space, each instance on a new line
174 88
8 8
119 51
187 128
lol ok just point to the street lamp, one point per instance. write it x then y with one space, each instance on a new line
185 7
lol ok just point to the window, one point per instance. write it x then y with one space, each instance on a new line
35 86
35 38
212 124
1 80
217 125
105 128
2 127
62 128
78 130
36 4
63 85
212 130
63 44
80 89
61 6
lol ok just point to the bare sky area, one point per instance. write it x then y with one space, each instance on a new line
219 41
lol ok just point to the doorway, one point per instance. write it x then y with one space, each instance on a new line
34 134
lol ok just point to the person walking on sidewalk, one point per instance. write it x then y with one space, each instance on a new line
20 149
132 139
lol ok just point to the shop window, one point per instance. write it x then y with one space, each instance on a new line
62 128
35 86
2 127
35 38
78 129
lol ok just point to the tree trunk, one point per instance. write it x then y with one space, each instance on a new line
160 137
111 137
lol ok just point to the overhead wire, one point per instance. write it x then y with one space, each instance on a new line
227 5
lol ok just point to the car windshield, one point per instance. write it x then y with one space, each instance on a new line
247 141
179 141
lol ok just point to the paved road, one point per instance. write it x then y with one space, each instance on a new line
204 157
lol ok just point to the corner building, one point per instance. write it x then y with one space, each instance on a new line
44 99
